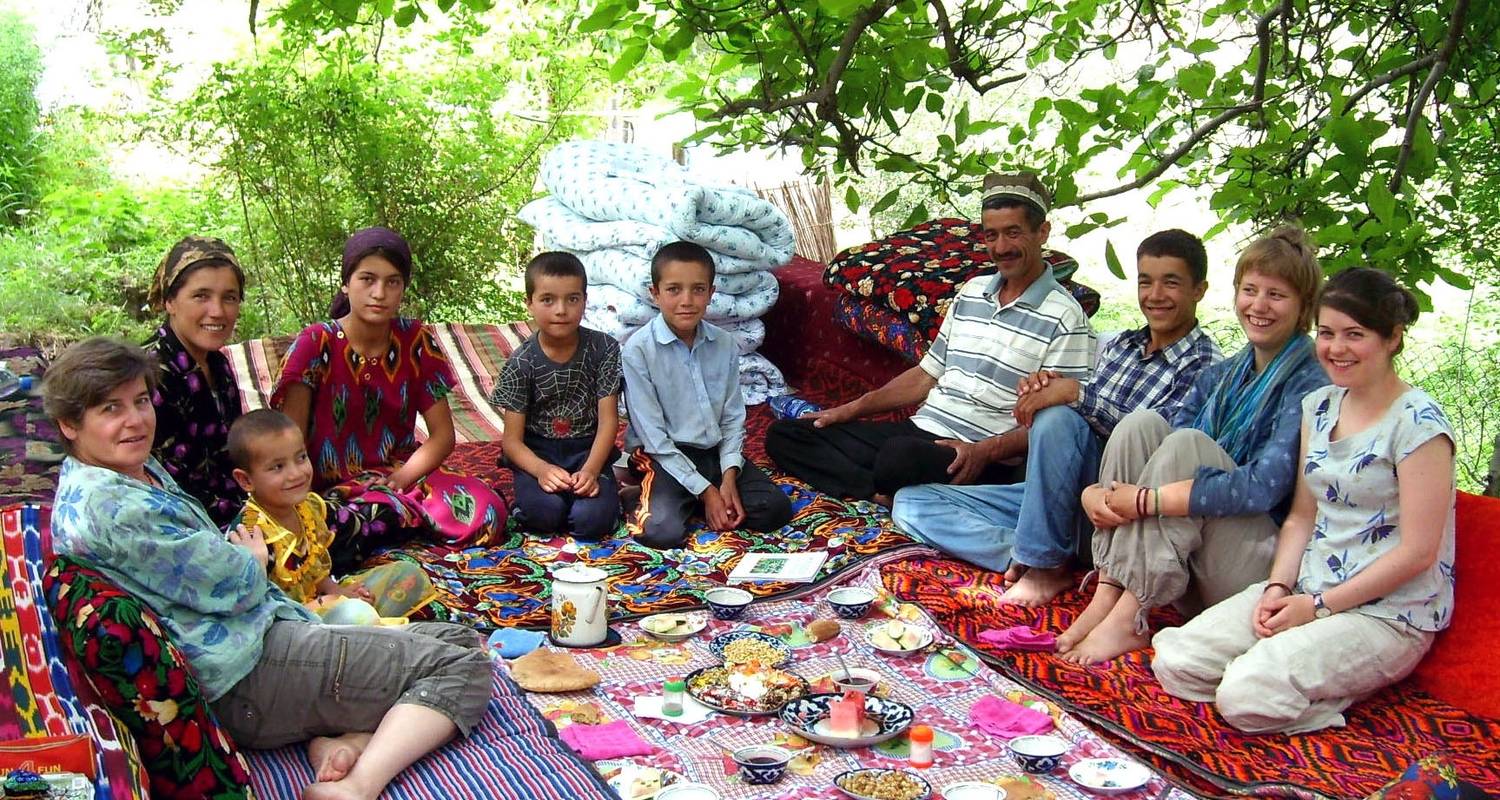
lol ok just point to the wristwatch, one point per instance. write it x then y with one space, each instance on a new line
1320 611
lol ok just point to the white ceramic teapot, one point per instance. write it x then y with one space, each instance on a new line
580 606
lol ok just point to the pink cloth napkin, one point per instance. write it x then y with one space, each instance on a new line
598 742
1020 638
1005 719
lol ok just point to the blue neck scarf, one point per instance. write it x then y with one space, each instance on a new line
1227 415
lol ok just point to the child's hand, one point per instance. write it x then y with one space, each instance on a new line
357 592
715 510
555 479
730 491
252 540
585 483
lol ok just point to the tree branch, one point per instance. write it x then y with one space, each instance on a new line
825 92
958 63
1439 66
1257 99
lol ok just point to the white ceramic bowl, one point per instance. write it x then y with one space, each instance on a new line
971 790
1109 775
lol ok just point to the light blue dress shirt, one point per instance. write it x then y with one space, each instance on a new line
680 395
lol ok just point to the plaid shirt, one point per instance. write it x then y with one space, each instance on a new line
1126 377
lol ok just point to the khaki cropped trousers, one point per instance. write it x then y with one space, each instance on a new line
1191 561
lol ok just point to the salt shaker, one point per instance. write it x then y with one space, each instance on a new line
671 702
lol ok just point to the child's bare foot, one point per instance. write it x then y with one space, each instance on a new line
1113 637
1037 587
338 790
1106 595
881 500
1014 572
333 756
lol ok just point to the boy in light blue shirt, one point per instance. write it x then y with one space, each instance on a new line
687 417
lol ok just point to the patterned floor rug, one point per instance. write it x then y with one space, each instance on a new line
508 585
1189 740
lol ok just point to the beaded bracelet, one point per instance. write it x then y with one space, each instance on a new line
1269 584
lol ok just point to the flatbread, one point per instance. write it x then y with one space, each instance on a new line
544 670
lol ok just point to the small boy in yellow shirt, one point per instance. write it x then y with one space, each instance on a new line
271 464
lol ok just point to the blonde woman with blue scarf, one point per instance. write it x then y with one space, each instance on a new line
1188 505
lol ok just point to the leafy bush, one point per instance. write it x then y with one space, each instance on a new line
20 69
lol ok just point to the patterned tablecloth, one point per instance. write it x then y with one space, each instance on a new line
939 688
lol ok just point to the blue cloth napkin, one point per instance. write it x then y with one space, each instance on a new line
514 643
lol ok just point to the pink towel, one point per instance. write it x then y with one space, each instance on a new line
598 742
1005 719
1020 638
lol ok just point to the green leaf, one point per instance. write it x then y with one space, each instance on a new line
851 199
1195 80
444 5
347 10
934 103
1039 110
405 16
606 15
918 214
629 57
1348 136
1200 46
385 8
885 202
1380 200
1112 260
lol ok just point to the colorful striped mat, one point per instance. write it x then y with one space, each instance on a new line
514 754
43 696
475 351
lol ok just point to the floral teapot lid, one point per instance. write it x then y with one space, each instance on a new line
579 573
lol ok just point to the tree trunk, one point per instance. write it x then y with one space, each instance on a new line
1492 484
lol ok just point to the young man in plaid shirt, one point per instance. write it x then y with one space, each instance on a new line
1032 529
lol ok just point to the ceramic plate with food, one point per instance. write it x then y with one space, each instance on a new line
897 638
744 689
632 781
750 647
883 784
673 627
1109 775
811 717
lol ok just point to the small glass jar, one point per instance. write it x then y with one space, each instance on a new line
921 746
671 699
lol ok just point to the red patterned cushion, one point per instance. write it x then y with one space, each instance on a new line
147 683
917 272
878 324
1460 668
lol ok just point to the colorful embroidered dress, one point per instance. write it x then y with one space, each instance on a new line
158 544
363 423
192 424
300 561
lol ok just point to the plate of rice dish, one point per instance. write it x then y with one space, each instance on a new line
750 647
883 784
745 689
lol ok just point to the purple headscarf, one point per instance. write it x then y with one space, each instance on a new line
370 241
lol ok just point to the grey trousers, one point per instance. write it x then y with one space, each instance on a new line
1193 562
326 680
1299 680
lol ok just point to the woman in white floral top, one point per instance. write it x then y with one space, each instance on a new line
1363 575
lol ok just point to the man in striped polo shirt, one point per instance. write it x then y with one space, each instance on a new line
999 329
1033 529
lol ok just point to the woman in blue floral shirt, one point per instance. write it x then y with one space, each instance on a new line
369 701
1363 575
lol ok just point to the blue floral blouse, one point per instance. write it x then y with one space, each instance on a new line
158 544
1359 506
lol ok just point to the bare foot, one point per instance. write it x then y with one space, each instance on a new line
881 500
1105 597
1113 637
338 790
333 756
1038 586
1014 572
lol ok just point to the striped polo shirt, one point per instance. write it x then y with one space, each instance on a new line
984 350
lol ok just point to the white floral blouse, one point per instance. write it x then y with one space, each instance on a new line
1359 507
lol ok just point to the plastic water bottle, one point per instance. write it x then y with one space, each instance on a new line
11 384
791 407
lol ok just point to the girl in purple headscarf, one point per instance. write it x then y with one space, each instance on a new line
356 386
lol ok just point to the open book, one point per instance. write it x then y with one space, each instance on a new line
781 567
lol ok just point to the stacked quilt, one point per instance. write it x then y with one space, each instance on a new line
614 205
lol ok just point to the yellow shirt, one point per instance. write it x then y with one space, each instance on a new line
299 561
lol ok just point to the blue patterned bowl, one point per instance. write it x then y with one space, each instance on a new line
1038 755
724 640
884 719
727 602
762 764
851 602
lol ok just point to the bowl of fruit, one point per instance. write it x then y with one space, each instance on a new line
897 638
